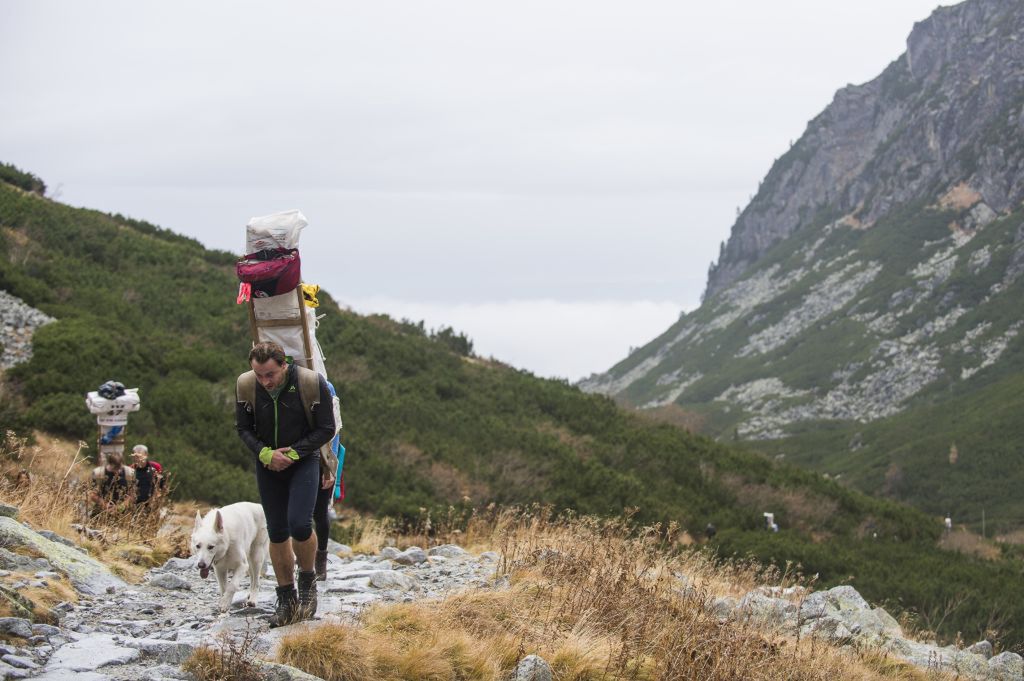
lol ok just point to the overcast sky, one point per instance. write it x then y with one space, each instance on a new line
553 178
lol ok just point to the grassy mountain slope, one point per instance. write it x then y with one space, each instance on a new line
879 385
425 424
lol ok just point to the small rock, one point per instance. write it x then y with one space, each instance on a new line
532 668
413 555
392 579
448 551
167 580
9 511
179 564
390 552
45 630
489 557
20 662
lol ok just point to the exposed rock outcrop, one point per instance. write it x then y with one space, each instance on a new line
18 321
948 111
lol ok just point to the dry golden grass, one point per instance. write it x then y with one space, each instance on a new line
595 599
54 495
1014 537
230 659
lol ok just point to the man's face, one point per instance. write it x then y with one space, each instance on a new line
270 374
139 458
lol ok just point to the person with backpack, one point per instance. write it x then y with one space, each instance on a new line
149 475
332 486
110 483
284 425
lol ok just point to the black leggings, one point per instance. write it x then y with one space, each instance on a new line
288 497
323 502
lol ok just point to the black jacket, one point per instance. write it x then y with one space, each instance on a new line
259 428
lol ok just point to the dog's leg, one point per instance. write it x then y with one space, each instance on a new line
257 560
227 588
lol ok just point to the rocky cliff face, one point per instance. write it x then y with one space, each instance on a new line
948 111
880 261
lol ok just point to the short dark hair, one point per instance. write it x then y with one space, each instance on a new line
267 350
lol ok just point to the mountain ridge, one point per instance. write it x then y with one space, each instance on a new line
923 122
875 277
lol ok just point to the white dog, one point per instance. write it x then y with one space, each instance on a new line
231 539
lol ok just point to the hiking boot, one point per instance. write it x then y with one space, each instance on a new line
287 610
307 594
321 566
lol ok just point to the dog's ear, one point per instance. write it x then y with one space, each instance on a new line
219 525
199 521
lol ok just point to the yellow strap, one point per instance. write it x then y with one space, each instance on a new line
309 292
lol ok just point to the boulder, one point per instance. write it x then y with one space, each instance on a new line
1006 666
16 626
983 648
86 574
767 609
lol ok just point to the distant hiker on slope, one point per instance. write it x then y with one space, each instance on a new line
110 483
149 475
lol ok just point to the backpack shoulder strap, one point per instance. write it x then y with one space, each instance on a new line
309 391
245 390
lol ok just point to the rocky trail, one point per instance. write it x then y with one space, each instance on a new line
130 632
145 631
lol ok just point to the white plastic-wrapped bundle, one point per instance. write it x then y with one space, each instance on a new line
113 412
278 230
289 307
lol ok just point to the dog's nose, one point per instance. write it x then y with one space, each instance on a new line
201 565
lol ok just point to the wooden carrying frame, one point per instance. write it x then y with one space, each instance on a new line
299 320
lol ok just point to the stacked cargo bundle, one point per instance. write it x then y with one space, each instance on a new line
111 403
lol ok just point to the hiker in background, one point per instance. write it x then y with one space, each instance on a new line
949 524
285 447
149 475
330 489
110 483
710 532
24 480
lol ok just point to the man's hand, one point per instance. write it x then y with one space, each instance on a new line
279 461
326 481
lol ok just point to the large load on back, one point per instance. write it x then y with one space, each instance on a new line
111 403
282 309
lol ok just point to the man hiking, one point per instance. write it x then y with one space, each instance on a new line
149 475
285 441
